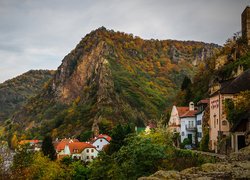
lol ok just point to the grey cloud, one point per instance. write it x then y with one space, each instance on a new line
37 34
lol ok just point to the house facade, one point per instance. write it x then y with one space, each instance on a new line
201 105
188 124
240 133
174 123
77 150
220 94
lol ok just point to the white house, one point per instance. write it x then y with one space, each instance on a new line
188 124
202 104
100 141
174 124
77 150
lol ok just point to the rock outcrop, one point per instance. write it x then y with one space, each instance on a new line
110 78
237 166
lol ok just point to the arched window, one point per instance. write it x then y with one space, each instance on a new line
224 122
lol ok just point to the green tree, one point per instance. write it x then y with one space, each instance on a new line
48 148
22 160
79 171
118 134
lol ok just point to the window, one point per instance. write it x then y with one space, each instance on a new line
87 150
97 146
199 134
92 150
92 157
75 150
217 121
100 140
87 157
199 122
224 122
182 133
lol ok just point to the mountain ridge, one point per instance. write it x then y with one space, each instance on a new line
109 78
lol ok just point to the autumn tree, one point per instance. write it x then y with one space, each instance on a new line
48 148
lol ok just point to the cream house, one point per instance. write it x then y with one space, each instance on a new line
220 92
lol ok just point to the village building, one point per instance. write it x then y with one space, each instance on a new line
188 124
77 150
201 106
174 123
240 133
220 93
34 144
100 141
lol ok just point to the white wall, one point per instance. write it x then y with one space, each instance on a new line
89 154
199 127
174 121
99 143
187 121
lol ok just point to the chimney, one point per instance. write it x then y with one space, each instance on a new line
191 106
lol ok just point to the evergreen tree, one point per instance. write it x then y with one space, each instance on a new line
48 148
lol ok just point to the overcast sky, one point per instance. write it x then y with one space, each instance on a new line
37 34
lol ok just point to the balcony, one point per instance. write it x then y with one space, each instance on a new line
190 128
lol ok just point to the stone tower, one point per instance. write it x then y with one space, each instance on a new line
245 23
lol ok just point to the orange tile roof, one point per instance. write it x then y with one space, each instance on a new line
60 145
182 110
79 146
189 114
29 141
108 138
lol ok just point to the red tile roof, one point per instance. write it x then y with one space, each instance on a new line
60 146
185 112
34 141
203 101
108 138
189 114
182 110
79 146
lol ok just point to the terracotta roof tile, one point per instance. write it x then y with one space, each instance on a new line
34 141
189 114
59 146
108 138
79 146
182 110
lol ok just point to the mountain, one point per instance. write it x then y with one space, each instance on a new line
109 78
16 92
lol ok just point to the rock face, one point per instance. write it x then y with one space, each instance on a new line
109 78
236 167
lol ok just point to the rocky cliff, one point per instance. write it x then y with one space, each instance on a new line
109 78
